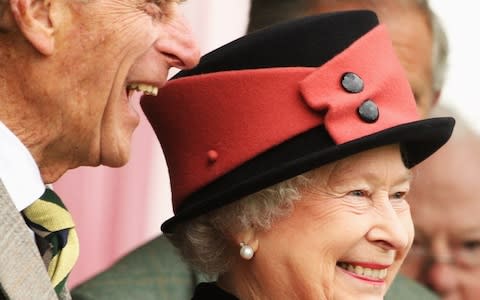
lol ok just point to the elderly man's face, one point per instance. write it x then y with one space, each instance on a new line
106 49
412 41
347 235
445 207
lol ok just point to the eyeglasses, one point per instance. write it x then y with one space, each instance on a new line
465 255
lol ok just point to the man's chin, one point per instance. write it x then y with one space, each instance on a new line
117 158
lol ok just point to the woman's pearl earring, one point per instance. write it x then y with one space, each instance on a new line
246 252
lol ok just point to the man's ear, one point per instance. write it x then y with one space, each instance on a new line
33 19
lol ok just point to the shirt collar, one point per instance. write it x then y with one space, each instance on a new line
18 171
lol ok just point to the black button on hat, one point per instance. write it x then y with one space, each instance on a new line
352 83
368 111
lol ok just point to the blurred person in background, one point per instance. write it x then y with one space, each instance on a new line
445 255
418 36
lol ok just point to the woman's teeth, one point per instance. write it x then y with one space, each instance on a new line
145 88
367 272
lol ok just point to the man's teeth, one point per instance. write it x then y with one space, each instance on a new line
367 272
145 88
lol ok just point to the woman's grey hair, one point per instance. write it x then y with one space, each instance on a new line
205 242
267 12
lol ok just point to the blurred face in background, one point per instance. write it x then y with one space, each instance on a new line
445 204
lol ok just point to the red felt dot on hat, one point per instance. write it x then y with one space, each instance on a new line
212 156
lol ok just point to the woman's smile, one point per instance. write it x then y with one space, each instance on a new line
374 273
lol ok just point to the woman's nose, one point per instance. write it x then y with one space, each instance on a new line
391 230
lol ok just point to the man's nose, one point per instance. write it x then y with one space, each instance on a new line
440 275
178 45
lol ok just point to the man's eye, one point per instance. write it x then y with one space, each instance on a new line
159 3
162 3
155 8
472 245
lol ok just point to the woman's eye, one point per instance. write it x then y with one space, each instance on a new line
358 193
399 195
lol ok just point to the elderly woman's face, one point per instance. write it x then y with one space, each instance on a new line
347 235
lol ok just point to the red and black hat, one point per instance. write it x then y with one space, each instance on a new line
282 101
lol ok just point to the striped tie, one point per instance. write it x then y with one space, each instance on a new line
55 236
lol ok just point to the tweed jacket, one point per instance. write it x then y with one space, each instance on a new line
156 271
23 275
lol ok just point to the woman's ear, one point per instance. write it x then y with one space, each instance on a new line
33 19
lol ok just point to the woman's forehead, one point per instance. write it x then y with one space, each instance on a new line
377 162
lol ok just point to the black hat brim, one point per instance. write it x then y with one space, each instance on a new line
305 152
